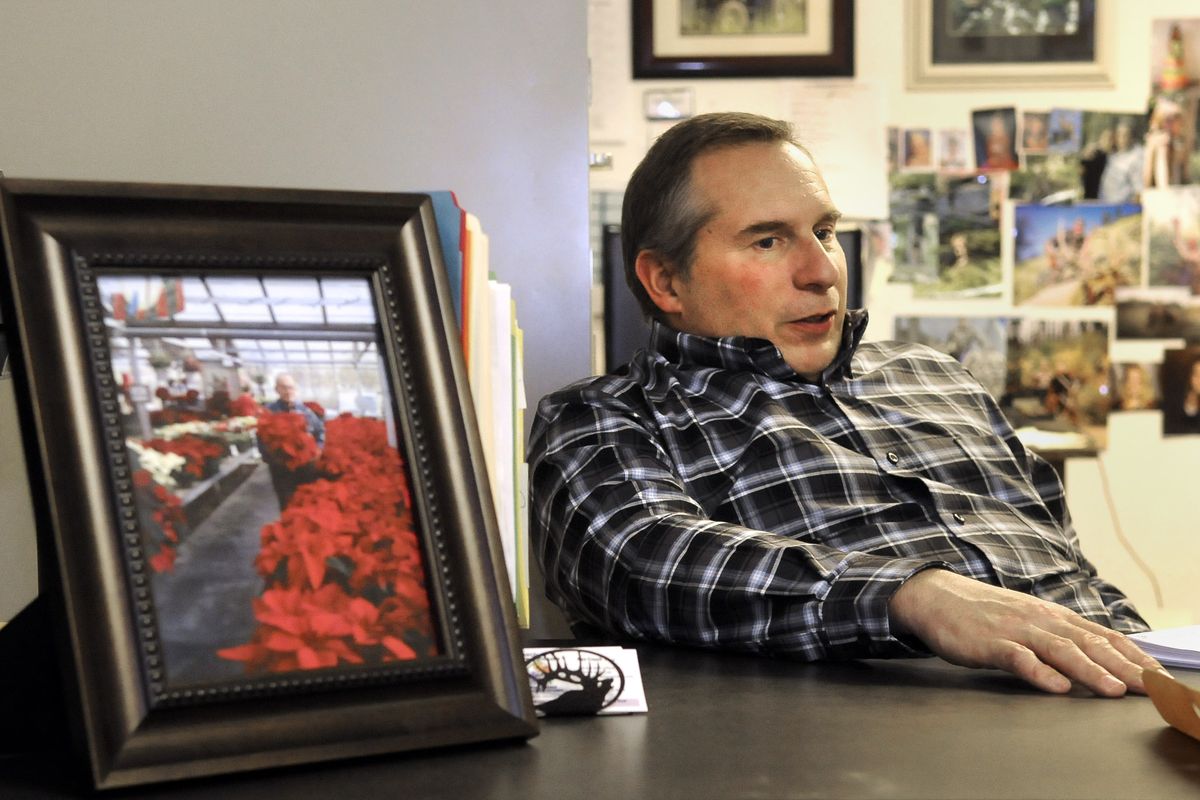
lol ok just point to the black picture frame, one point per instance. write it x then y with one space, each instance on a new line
742 55
132 719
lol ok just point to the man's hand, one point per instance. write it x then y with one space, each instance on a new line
974 624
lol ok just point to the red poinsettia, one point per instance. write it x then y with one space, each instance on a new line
284 436
346 545
166 518
244 405
316 408
298 630
201 454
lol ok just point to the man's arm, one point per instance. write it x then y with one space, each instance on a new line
974 624
971 623
625 547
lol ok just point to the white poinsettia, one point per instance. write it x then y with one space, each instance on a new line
238 424
175 430
159 465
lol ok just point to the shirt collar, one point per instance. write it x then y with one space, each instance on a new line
748 353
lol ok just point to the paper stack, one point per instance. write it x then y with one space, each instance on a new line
493 348
1173 647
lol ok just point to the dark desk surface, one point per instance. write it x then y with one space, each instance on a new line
731 726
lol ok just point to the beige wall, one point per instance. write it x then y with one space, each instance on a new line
1151 480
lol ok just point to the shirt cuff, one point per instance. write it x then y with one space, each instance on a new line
854 609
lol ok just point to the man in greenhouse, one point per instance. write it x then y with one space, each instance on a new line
760 478
290 440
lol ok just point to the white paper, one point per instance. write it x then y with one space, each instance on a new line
609 68
842 125
1173 647
597 661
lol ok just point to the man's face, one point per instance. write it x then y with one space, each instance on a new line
286 389
768 263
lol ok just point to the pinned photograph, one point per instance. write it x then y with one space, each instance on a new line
1173 236
1135 387
978 343
1075 255
1035 132
1157 313
1113 156
912 203
1066 130
995 138
1181 391
968 237
954 151
1049 179
1058 377
918 149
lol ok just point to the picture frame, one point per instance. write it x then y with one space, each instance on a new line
1076 54
355 647
708 39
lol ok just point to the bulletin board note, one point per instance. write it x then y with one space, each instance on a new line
842 124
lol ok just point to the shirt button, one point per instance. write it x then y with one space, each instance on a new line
892 457
960 519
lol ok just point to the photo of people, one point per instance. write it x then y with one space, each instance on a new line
1181 391
1009 18
1135 387
979 343
272 496
968 237
1075 255
1170 151
1113 156
918 149
1066 130
995 138
1058 376
1173 236
954 151
1035 132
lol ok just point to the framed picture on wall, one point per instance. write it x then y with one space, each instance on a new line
256 467
742 38
996 44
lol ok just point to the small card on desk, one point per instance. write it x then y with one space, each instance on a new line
585 680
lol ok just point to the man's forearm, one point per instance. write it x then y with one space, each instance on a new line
974 624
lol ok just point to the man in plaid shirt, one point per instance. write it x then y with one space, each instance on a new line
759 478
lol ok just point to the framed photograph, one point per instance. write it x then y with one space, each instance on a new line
742 38
995 44
257 479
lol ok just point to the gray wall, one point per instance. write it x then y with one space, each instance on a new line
485 97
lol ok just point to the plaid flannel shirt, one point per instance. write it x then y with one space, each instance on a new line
708 495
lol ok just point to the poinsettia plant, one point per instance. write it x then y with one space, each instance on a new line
244 405
201 456
163 523
342 565
284 438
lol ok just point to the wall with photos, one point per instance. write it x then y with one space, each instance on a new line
1133 503
371 95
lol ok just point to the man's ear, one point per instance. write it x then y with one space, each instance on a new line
658 279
